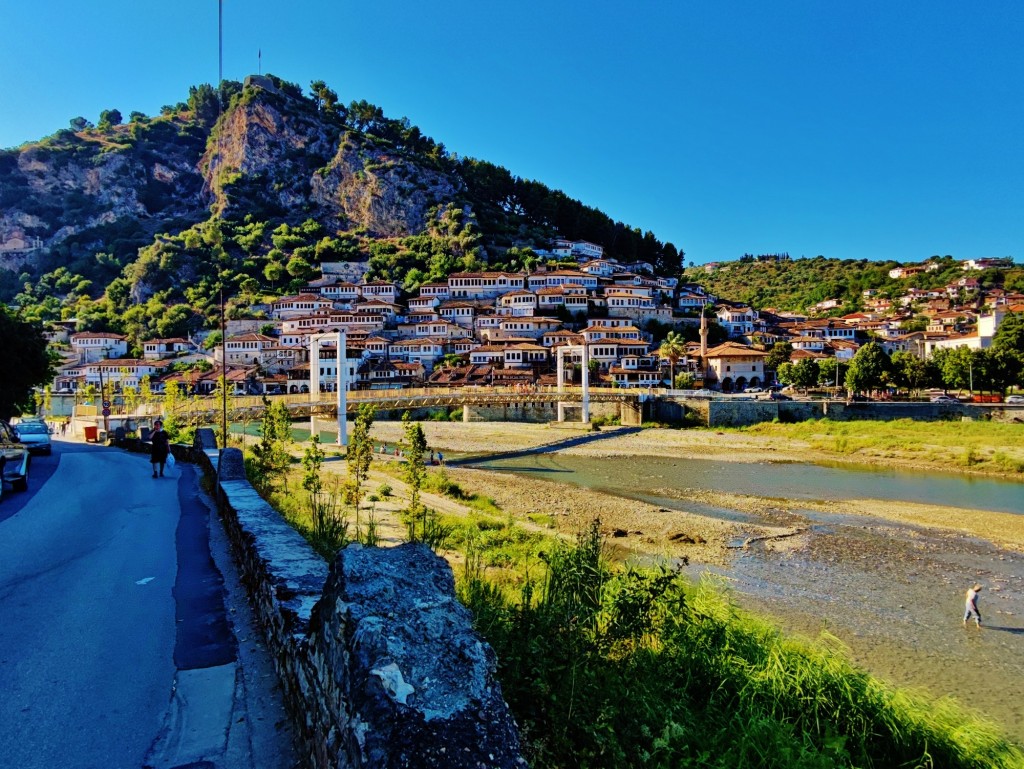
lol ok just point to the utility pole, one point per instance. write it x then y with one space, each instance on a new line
220 43
224 373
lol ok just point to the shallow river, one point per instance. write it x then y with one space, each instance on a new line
892 591
630 476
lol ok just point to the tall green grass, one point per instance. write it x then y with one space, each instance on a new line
623 667
987 446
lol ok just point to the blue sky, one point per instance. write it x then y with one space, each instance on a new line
870 130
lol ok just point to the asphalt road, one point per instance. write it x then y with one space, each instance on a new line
117 635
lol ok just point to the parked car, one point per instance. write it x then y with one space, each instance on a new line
35 435
776 396
754 390
1018 399
14 460
944 399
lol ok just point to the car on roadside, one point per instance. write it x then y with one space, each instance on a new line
14 460
1018 399
754 390
944 399
35 435
777 396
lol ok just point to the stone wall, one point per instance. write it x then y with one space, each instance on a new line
733 412
378 661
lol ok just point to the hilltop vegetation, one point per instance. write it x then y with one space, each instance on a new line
799 284
142 223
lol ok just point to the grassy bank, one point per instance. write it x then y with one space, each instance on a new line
606 666
612 667
990 447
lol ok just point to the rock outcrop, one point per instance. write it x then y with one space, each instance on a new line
413 684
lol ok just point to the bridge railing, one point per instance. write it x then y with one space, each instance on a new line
403 395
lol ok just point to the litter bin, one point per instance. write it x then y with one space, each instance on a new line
91 433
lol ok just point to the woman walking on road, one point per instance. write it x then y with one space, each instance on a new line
161 447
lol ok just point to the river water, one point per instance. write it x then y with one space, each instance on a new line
794 480
893 592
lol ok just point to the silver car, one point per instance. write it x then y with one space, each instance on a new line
35 436
14 460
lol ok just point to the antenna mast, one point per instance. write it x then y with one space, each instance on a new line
220 42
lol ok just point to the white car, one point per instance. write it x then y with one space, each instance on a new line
35 436
944 399
754 390
1018 399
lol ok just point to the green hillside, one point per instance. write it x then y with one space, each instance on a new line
797 285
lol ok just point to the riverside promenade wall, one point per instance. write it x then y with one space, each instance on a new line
378 661
734 412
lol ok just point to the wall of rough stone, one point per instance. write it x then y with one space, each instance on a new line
378 661
735 413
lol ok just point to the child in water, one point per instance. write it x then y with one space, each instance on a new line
971 608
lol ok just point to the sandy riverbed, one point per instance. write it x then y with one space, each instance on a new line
886 577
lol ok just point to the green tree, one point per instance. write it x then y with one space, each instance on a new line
805 373
174 398
28 363
415 465
212 340
1009 337
909 371
784 373
312 462
1003 369
684 381
958 368
869 369
324 98
672 349
273 272
110 117
360 453
270 455
830 372
779 354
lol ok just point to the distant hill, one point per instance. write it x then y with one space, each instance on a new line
134 226
798 285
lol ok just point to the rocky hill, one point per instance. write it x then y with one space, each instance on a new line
250 187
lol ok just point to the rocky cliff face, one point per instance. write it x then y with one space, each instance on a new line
271 155
273 152
75 195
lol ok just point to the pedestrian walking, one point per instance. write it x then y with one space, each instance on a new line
971 607
160 448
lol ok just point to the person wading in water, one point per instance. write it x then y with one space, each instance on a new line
971 607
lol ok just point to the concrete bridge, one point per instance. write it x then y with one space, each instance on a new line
540 404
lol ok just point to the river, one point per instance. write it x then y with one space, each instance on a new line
892 591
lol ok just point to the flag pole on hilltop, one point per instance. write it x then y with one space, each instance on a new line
259 56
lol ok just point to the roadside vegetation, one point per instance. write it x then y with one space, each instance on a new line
606 665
